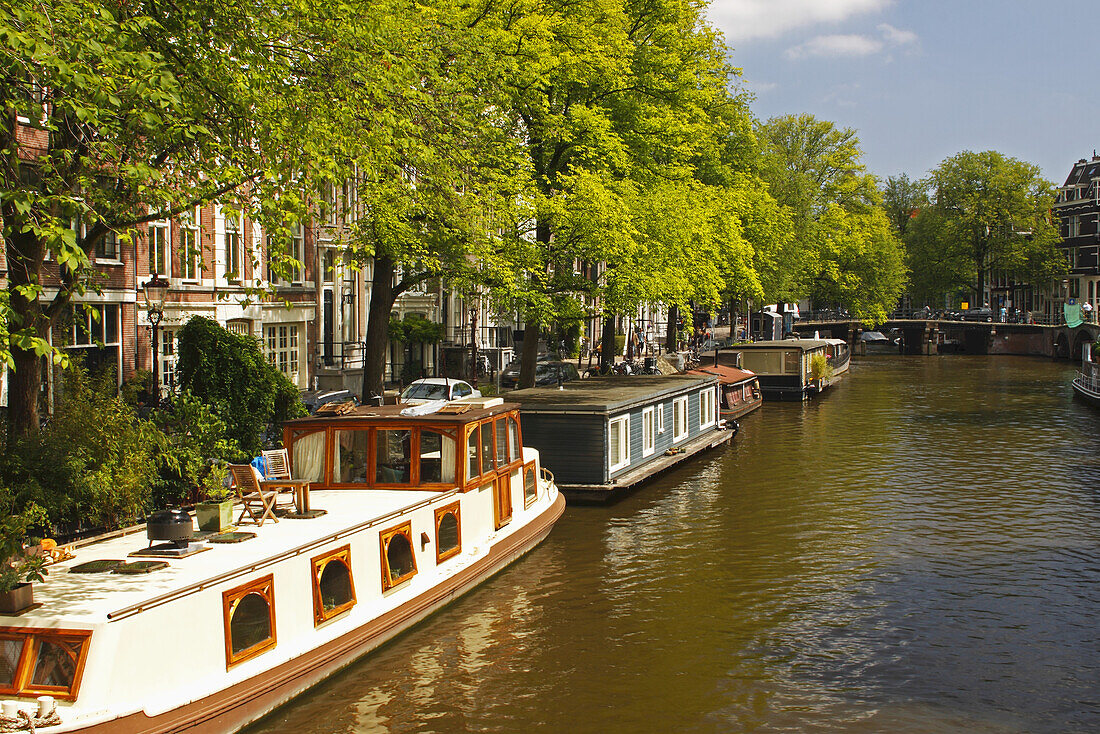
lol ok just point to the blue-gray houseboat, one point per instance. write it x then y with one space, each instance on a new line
783 366
605 435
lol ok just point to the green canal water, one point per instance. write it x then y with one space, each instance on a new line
915 551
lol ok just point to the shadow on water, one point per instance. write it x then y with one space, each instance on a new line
914 551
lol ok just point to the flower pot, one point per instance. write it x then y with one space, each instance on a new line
18 599
215 516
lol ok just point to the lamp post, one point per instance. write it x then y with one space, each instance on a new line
156 288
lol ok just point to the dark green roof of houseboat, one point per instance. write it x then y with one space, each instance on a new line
606 394
804 344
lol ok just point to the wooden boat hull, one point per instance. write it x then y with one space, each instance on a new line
244 703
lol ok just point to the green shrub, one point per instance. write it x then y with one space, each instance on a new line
194 439
93 465
16 565
820 369
230 374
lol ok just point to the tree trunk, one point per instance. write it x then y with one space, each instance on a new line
24 254
382 297
530 355
671 330
607 340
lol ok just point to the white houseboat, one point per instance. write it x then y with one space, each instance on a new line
419 509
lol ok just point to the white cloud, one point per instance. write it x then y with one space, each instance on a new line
850 46
742 20
836 46
896 36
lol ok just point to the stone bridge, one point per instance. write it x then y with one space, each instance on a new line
934 336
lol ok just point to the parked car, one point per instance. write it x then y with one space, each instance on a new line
427 389
546 373
977 314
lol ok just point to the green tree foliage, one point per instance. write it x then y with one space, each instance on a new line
229 373
194 440
847 253
92 466
141 110
989 213
903 200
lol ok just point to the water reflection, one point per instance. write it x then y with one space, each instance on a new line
913 552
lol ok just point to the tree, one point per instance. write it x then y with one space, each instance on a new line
903 200
847 253
989 213
612 101
230 374
117 114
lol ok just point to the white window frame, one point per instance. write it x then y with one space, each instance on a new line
621 425
234 272
190 254
706 407
679 422
661 418
282 343
168 359
164 236
649 431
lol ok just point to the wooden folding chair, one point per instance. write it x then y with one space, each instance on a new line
258 501
277 468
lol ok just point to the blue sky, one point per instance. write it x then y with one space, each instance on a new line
921 80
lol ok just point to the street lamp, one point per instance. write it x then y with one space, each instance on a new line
156 288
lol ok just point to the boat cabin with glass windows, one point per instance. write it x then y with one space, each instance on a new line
419 508
784 367
605 435
738 390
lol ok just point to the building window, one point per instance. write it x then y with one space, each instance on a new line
190 247
106 247
158 248
649 431
398 562
240 327
249 617
530 486
333 586
282 349
1074 225
168 358
328 265
448 532
232 248
95 332
706 408
42 662
679 419
618 437
660 418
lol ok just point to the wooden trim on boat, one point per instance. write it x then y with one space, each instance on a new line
247 701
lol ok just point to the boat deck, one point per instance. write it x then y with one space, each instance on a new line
98 597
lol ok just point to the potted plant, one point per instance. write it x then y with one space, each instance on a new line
20 566
215 511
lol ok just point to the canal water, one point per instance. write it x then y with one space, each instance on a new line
918 550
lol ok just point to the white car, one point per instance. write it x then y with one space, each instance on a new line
427 389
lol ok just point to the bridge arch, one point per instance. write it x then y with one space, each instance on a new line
1061 346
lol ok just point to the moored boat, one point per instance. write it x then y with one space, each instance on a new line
738 390
418 510
604 436
1086 385
784 367
839 355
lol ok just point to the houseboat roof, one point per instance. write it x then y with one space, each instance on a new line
805 345
726 375
465 410
606 394
90 598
